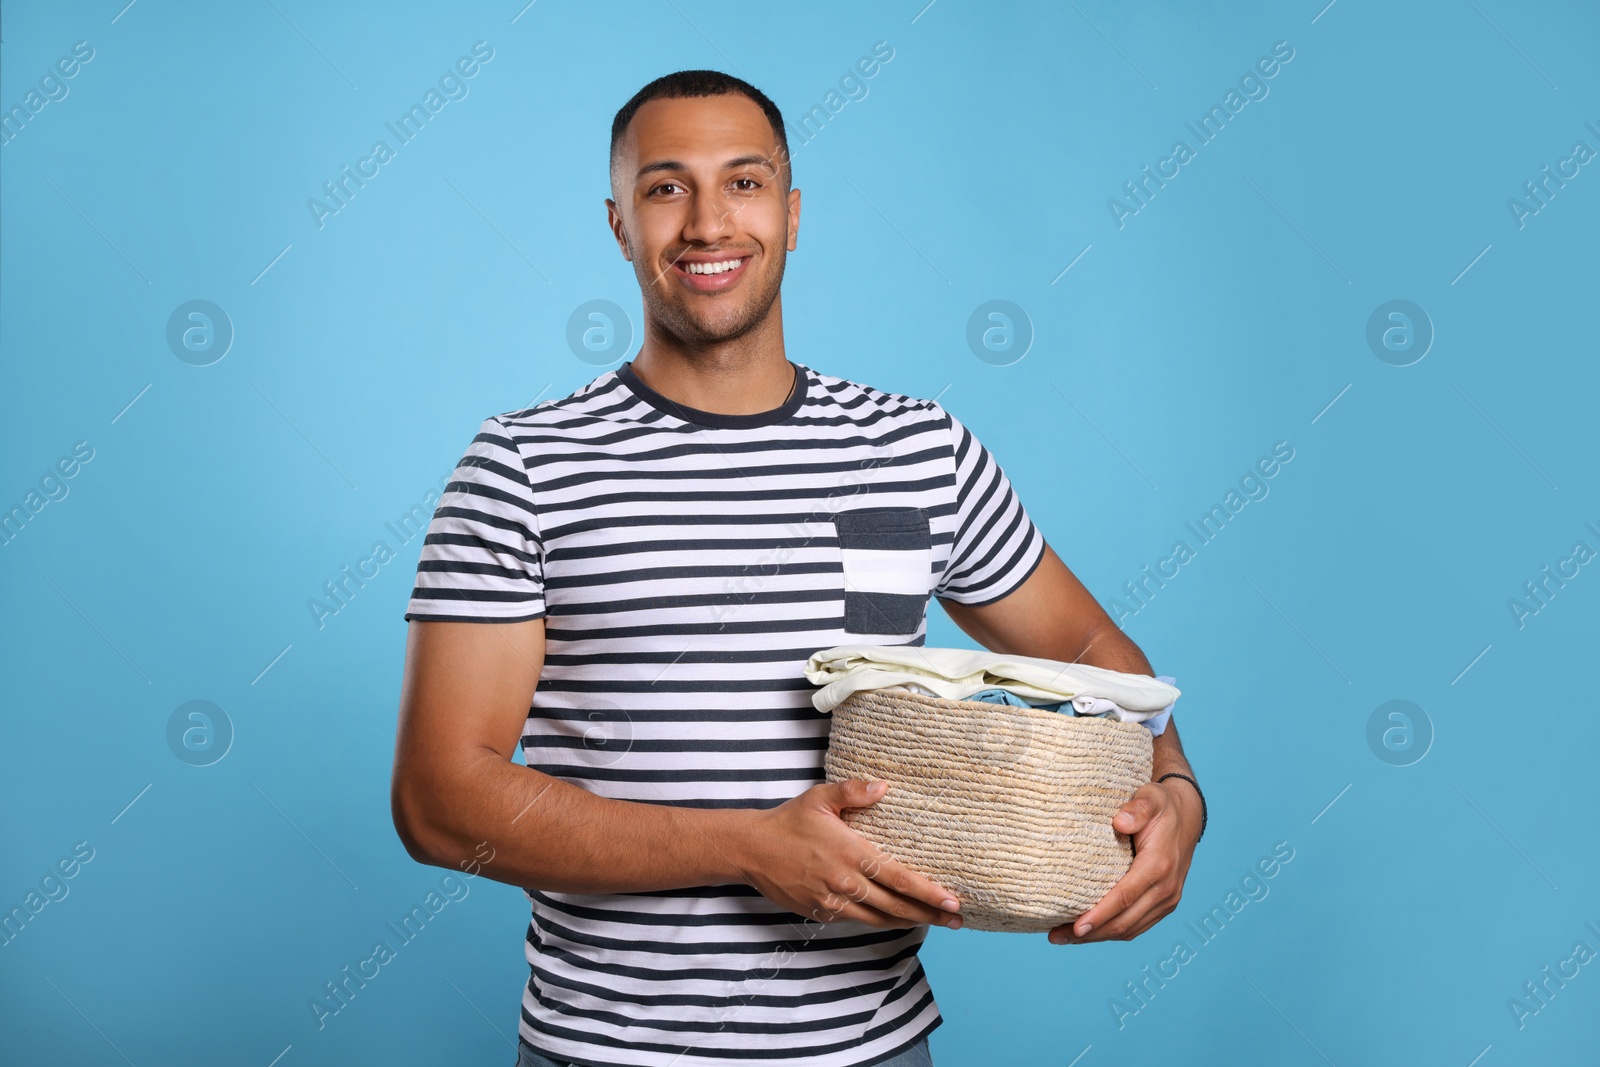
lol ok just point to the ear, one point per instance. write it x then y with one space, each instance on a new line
614 220
794 219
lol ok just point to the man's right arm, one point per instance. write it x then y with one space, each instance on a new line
464 700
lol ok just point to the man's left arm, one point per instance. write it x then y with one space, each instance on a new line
1052 615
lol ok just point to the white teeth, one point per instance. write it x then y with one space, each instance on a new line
713 268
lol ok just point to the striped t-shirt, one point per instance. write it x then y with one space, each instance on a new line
686 565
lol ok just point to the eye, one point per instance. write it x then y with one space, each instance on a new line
752 184
664 185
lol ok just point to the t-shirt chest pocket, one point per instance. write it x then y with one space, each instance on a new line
887 557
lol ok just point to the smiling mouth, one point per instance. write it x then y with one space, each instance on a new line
722 266
711 275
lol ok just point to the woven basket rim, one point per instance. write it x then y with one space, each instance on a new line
907 696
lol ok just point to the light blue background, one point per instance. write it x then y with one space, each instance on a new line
1224 317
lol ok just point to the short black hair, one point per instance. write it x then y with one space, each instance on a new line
688 84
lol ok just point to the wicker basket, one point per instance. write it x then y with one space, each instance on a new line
1008 807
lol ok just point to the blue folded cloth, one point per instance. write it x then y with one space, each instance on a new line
1156 724
1006 696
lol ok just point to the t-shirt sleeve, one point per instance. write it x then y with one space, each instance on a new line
482 560
996 544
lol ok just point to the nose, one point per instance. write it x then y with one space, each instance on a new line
711 218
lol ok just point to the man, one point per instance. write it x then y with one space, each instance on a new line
630 579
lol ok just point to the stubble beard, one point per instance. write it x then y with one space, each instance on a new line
675 318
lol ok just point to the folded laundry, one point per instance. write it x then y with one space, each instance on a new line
1085 705
1006 696
958 673
1082 705
1000 695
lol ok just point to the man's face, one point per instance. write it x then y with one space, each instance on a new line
698 187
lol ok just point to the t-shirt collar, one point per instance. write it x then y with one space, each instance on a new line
711 419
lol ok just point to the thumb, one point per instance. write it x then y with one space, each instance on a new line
852 793
1134 816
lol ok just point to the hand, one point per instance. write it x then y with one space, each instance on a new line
802 856
1164 821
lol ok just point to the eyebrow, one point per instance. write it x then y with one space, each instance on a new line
675 165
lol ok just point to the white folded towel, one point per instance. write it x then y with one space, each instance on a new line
957 673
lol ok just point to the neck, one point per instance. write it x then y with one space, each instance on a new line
741 376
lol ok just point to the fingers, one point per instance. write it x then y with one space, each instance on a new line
869 901
1155 904
895 889
864 913
884 892
894 879
910 908
1118 899
875 888
1143 896
1154 858
855 904
878 866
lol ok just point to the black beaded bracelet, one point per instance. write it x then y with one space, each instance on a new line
1191 781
